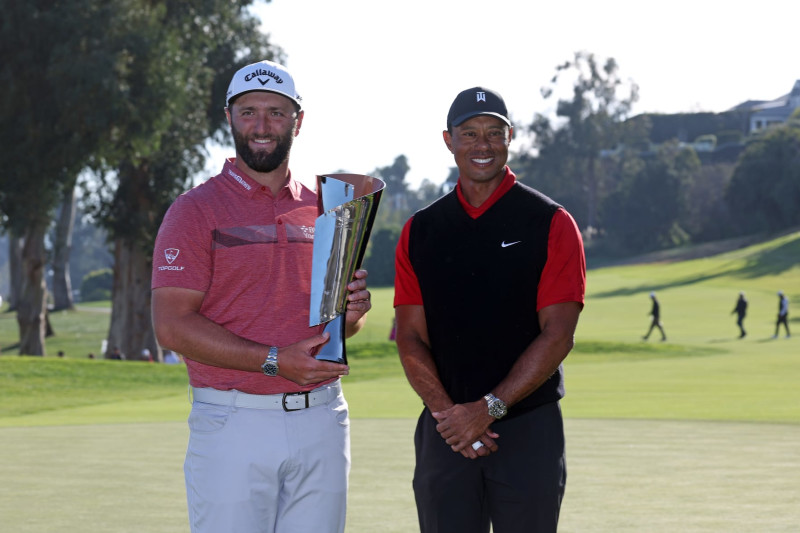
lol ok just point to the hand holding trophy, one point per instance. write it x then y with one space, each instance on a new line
347 204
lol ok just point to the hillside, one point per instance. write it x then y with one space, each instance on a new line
695 251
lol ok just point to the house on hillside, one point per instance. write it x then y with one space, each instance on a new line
764 114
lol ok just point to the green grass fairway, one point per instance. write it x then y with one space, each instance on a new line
699 434
624 476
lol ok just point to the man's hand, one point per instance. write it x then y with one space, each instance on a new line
297 363
464 424
358 303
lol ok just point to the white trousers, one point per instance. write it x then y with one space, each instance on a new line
266 470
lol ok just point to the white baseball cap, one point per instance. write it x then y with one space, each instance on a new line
263 76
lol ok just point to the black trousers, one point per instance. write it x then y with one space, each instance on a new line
517 489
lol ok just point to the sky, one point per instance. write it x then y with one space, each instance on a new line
377 78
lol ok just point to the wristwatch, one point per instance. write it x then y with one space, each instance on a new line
270 366
497 407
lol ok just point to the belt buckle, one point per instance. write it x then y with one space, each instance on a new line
287 394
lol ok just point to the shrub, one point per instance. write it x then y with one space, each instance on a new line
96 285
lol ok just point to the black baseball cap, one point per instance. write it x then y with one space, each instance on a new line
474 102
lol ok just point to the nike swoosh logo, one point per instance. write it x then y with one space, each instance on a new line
505 244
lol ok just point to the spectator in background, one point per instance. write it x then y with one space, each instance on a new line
783 315
116 354
741 311
170 358
656 323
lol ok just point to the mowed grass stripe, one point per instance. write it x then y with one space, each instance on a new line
625 476
679 436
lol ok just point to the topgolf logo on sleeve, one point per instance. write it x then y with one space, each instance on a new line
171 254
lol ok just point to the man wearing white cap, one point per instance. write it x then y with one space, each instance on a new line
490 282
269 446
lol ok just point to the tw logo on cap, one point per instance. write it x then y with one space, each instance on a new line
476 101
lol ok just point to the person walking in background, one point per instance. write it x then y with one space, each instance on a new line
171 358
741 310
269 442
490 281
783 315
655 312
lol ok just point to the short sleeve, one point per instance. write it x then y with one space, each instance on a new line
564 275
406 284
182 253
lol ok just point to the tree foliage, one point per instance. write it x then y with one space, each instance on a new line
124 86
56 60
380 261
568 149
764 192
178 64
644 212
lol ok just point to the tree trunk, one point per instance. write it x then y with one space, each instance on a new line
14 270
62 247
591 194
31 306
131 326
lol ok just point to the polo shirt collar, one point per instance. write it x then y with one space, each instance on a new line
474 212
248 186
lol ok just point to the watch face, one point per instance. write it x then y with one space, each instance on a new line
498 409
270 368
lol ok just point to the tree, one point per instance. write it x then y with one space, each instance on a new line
764 191
566 159
14 270
62 248
380 261
643 213
395 200
707 216
180 58
55 60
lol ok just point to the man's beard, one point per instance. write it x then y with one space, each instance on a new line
261 161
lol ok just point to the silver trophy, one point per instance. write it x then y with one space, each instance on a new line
347 205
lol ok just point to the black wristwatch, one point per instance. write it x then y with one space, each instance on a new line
497 407
270 366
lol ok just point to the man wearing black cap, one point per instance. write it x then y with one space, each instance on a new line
269 443
490 281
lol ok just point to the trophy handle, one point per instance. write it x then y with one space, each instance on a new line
334 350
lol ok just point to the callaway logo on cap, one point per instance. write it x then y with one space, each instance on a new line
474 102
263 76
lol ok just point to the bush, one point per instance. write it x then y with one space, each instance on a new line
96 285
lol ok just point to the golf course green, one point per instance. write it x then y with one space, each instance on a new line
700 433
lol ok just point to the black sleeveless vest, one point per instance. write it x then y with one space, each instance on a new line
479 280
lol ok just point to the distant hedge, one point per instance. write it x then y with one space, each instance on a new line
96 285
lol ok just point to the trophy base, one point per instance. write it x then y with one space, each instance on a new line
334 350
